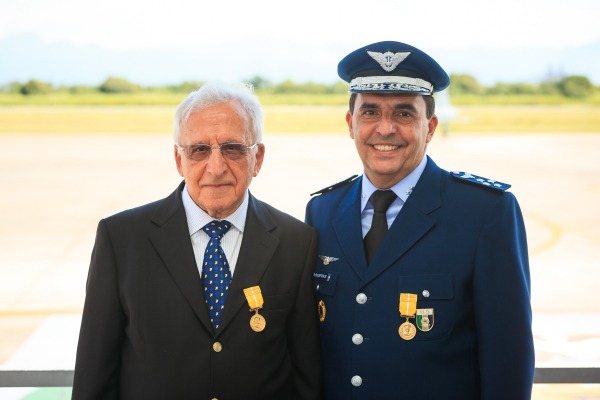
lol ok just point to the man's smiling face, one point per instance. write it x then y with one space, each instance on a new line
391 133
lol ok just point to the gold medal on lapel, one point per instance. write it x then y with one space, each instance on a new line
322 310
257 322
407 331
425 319
255 301
407 308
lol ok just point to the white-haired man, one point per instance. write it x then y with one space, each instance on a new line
206 294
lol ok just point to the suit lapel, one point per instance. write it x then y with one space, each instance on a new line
256 252
171 239
348 230
411 224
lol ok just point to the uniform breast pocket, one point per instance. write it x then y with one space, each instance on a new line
325 283
434 318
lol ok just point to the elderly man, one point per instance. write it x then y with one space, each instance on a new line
422 275
206 294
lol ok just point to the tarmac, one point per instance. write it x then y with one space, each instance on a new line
56 188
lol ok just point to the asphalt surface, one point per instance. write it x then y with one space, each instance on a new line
56 188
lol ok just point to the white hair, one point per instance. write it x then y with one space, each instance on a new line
241 96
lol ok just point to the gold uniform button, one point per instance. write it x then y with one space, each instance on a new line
217 347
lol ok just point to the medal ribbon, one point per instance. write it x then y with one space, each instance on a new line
408 304
254 297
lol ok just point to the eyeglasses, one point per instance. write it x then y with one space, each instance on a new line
229 151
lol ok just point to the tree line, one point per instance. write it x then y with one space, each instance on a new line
573 86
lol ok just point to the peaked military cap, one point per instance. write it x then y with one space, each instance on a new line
392 67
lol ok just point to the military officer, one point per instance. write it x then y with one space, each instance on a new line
422 275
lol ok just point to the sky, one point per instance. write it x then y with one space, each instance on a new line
236 39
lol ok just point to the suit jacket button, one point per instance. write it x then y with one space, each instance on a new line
217 347
361 298
356 381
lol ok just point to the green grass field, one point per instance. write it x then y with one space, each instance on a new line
119 119
166 98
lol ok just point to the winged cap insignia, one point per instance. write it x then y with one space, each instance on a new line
326 259
388 60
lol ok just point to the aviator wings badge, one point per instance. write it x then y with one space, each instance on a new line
388 60
326 259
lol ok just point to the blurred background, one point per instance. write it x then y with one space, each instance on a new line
87 96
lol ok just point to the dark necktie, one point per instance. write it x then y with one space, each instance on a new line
215 271
381 200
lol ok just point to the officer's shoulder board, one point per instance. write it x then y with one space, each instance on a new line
335 185
479 180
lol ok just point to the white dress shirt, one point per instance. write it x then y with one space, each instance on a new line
230 242
402 190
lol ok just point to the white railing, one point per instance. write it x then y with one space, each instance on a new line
65 378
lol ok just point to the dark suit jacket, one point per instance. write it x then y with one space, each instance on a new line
461 244
146 332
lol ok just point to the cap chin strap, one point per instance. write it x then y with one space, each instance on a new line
390 83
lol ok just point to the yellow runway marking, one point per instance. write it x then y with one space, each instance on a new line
556 233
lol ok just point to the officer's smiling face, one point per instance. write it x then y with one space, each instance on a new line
391 133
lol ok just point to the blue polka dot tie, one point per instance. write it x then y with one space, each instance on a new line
215 271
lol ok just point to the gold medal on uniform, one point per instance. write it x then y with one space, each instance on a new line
407 308
322 311
255 301
425 319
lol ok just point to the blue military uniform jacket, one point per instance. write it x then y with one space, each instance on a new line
459 246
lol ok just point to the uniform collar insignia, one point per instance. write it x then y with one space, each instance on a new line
326 259
388 60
